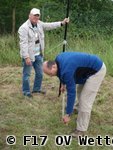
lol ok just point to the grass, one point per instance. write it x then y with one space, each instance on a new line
99 45
9 50
42 114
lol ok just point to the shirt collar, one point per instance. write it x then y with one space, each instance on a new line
58 68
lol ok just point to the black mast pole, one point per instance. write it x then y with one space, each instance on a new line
66 25
65 37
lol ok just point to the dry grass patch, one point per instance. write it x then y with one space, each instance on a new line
42 114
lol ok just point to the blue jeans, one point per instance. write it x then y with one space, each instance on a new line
37 65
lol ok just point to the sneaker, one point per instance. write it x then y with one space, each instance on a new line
77 133
29 95
41 92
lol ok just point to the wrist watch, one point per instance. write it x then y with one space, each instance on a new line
61 24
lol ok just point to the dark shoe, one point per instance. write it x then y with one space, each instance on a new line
28 95
41 92
77 133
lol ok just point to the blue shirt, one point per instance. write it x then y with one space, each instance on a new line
75 68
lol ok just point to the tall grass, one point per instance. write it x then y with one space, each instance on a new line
9 50
99 45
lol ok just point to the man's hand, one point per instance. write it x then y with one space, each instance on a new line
63 88
28 61
66 20
66 119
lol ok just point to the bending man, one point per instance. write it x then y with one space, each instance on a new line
83 69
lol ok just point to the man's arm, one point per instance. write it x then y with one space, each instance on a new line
54 25
71 95
23 35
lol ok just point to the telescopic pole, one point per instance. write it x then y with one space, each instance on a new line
65 37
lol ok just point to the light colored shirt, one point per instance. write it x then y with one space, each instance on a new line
37 44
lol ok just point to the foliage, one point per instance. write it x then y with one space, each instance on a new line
84 15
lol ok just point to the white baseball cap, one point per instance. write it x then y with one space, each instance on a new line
35 11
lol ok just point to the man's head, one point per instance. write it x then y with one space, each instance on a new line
50 68
34 15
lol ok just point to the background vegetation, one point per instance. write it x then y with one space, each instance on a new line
86 16
90 30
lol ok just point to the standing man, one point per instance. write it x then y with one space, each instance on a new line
78 68
31 35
